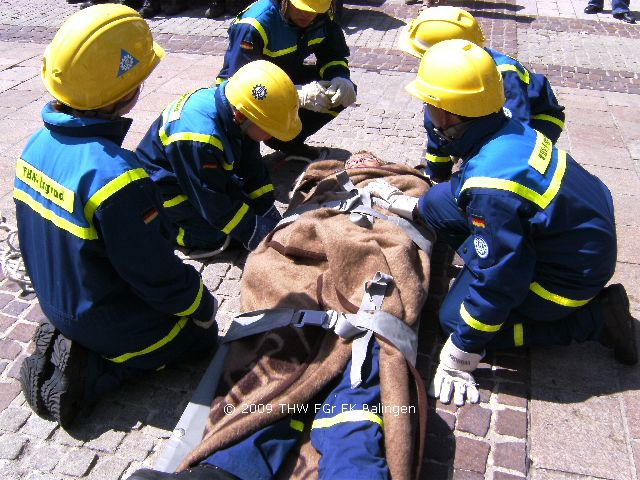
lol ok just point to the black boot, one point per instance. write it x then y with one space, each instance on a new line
215 10
150 8
619 325
201 472
37 367
63 392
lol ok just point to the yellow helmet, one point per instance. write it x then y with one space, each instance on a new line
459 77
315 6
265 94
99 55
436 24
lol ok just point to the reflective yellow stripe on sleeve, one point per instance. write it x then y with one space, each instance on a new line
349 416
261 191
196 303
177 200
539 290
258 26
476 324
542 200
155 346
332 64
512 68
109 189
548 118
436 158
237 218
315 41
518 335
180 237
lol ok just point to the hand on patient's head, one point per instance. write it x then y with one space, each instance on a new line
363 159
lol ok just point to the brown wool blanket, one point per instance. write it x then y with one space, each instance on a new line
322 261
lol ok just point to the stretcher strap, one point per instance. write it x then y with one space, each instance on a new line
368 319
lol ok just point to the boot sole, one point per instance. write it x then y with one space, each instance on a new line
37 367
62 393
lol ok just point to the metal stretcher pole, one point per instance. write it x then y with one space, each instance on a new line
190 428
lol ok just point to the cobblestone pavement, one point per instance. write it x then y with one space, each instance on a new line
553 413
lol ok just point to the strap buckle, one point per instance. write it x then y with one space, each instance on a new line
316 318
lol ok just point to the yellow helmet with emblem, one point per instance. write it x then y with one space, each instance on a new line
437 24
265 94
315 6
459 77
98 56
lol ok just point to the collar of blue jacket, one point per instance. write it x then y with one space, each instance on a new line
74 126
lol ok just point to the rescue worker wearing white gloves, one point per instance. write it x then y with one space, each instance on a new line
535 230
287 32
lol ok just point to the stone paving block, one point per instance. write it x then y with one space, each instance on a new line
12 419
467 475
22 332
15 307
76 462
592 426
511 455
627 249
107 441
109 468
511 422
8 392
43 457
474 419
513 394
11 446
9 349
37 427
5 322
440 423
471 454
136 447
506 476
5 298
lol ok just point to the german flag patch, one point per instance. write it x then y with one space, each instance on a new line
478 222
246 45
209 165
150 215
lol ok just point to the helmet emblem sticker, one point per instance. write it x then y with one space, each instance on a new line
259 92
127 62
482 249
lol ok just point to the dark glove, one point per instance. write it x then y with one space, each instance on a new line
264 224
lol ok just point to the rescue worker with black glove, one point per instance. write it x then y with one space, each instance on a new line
535 229
92 232
286 32
529 96
203 153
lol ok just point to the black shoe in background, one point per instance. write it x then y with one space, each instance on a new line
216 9
591 9
626 17
37 367
150 8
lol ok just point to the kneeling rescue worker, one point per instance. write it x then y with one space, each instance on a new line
91 227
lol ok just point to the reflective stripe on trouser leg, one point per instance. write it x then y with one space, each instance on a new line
260 455
348 428
542 321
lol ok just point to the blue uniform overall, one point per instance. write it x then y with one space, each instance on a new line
529 99
262 33
617 6
347 431
97 249
537 234
211 177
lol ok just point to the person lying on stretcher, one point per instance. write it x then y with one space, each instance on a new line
311 403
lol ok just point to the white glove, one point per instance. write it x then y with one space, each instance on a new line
313 96
340 91
399 203
452 375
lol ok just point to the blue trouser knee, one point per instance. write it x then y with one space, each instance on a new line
346 433
535 322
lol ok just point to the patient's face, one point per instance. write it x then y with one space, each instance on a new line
363 160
